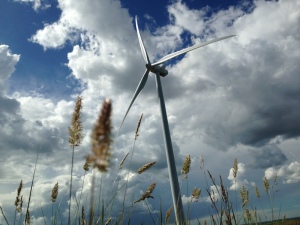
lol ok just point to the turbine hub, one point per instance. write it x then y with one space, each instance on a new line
161 70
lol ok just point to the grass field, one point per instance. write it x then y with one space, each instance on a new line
221 204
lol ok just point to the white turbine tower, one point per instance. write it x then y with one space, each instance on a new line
161 71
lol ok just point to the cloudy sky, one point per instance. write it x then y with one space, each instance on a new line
237 98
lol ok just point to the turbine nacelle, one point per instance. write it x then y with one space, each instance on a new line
161 70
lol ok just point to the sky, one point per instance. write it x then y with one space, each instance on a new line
234 99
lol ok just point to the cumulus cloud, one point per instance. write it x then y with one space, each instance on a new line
288 173
243 90
183 17
247 90
54 35
240 180
8 61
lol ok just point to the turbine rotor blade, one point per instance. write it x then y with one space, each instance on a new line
142 46
139 88
180 52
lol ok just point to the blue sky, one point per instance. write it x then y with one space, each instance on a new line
238 98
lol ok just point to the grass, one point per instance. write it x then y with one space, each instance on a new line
220 205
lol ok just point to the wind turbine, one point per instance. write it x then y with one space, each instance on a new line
161 71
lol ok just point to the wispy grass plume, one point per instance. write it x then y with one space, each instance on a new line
138 127
123 160
168 214
195 194
75 131
54 194
234 173
19 200
75 138
186 166
147 193
27 217
145 167
101 139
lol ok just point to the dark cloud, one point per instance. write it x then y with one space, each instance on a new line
271 96
8 106
19 134
250 99
268 156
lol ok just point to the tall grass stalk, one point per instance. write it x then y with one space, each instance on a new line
43 215
234 173
100 193
27 217
222 209
184 172
86 168
127 179
4 215
115 186
75 138
18 201
92 198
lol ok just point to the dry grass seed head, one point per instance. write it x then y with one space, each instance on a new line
19 208
20 188
148 193
101 139
242 191
244 196
186 166
54 192
212 179
275 179
17 201
195 194
224 191
145 167
168 214
257 192
86 165
138 127
266 184
248 214
108 221
27 218
235 168
83 222
123 160
75 131
202 163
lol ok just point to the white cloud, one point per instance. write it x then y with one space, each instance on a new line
36 4
288 173
230 93
191 20
232 80
240 180
54 35
270 173
8 60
